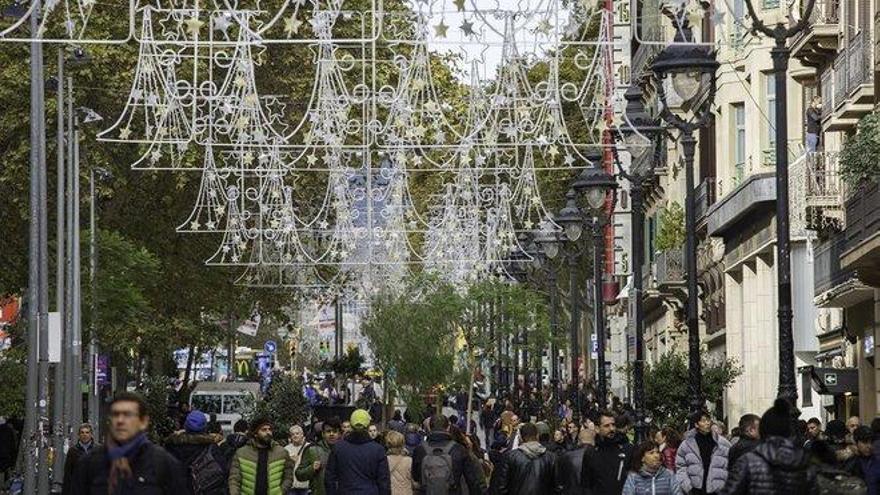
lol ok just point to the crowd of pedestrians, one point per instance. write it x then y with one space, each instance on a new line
443 455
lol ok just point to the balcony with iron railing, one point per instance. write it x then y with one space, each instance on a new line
849 96
817 44
664 279
862 232
817 192
705 197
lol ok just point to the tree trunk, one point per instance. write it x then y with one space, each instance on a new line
189 364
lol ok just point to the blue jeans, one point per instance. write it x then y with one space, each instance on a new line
812 142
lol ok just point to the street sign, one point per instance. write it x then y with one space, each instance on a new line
830 379
270 346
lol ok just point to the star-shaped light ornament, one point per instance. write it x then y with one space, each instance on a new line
718 17
221 24
292 25
193 25
459 4
441 29
467 27
124 133
544 27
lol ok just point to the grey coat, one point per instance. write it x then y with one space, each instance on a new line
689 464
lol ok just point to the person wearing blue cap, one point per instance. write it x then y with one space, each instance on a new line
200 454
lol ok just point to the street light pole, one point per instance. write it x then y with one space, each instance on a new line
554 358
689 145
691 67
780 54
60 416
36 476
574 330
599 310
640 133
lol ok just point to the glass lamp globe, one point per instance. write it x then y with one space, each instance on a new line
635 144
573 232
687 83
596 197
551 249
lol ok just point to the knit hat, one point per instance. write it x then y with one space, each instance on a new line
360 419
777 420
196 422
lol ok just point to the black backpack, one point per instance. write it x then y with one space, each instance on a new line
206 471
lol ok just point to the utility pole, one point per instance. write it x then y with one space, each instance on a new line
36 411
60 416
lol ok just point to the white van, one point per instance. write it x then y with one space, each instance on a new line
228 400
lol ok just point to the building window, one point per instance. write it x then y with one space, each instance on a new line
770 86
771 4
739 142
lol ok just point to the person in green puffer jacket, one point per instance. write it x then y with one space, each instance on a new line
262 467
315 457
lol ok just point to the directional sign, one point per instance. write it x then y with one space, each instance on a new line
270 346
830 378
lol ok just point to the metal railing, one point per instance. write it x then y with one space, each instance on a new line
824 11
859 62
705 196
817 191
669 267
853 67
827 81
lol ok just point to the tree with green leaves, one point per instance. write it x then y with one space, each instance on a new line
666 385
284 404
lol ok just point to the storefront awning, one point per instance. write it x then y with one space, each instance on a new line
828 381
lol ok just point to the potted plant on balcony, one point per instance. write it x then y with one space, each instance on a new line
860 156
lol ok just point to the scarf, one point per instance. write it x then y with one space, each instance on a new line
120 457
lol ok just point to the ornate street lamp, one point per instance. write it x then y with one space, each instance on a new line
548 242
572 222
596 185
639 134
691 69
780 55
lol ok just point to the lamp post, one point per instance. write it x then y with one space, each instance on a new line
596 185
548 242
638 134
571 220
691 68
780 55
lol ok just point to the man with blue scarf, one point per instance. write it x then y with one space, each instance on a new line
129 463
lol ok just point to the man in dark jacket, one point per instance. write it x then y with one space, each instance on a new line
866 465
85 443
777 465
357 464
235 440
748 438
569 463
129 464
188 445
437 440
529 468
604 468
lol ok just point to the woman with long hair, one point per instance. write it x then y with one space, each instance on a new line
648 475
